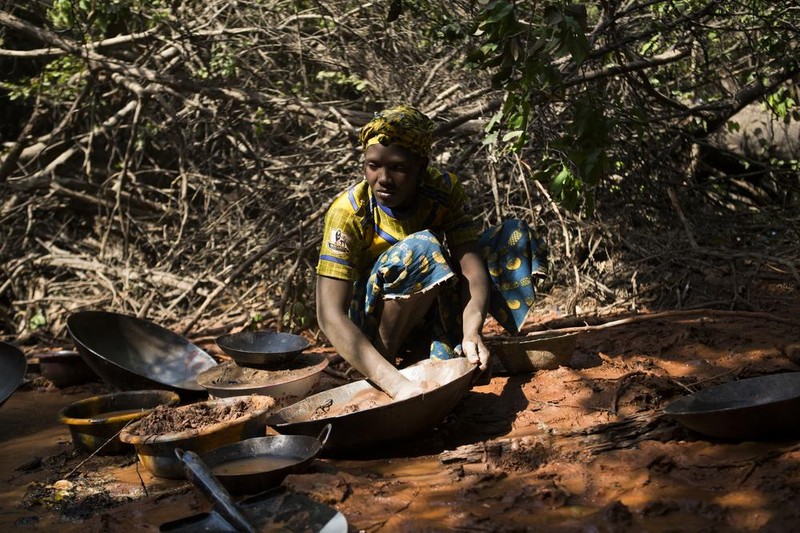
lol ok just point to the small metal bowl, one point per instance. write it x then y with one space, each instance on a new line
65 368
262 349
254 465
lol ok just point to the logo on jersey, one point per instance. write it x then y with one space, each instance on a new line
339 241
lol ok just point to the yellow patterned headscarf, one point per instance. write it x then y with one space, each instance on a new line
403 125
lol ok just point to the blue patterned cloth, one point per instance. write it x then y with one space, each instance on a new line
514 259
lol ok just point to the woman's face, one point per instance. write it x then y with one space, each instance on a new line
392 173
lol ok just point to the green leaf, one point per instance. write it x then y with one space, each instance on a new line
498 11
513 135
553 15
37 321
577 46
560 180
490 138
494 121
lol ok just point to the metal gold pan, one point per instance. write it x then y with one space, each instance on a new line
757 408
267 349
383 423
131 353
13 366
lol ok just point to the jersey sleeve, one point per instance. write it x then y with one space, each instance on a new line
341 250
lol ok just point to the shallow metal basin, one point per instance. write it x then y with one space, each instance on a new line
131 353
757 408
13 366
389 422
266 349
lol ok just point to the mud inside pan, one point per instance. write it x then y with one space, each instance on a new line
287 384
230 374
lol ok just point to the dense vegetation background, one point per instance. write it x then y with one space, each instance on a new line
174 159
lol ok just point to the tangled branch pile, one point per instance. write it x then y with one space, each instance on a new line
175 160
172 172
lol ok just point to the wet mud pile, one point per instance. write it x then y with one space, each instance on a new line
164 419
230 373
365 399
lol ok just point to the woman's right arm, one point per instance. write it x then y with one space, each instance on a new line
333 301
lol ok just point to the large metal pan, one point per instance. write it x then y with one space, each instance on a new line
275 510
383 423
267 349
13 366
260 463
757 408
131 353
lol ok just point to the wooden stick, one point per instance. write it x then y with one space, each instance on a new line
673 198
699 313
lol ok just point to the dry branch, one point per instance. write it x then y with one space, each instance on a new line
699 314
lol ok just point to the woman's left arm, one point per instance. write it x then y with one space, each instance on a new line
475 296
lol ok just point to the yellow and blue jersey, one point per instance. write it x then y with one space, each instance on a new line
358 229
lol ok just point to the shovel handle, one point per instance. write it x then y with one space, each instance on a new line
200 475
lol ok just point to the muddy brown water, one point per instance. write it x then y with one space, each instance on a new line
577 448
264 463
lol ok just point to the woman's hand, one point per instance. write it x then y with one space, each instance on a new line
333 301
475 294
476 352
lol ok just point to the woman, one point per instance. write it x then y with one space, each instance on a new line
401 258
